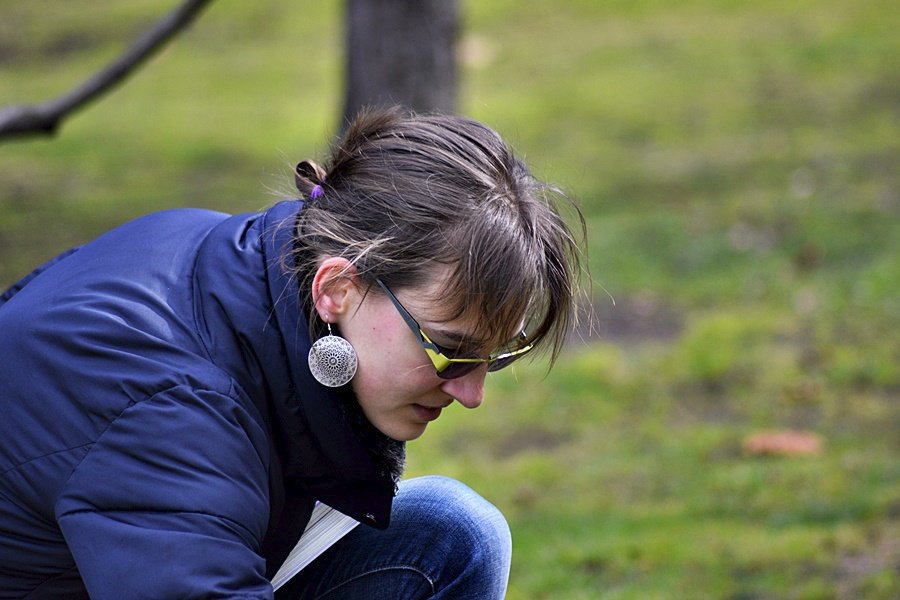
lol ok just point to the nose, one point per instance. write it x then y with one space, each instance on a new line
468 390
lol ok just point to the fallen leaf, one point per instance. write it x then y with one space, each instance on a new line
783 443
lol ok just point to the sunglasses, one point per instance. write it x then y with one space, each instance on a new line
445 360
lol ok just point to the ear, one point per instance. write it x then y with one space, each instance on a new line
334 288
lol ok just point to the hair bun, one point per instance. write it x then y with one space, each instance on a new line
307 175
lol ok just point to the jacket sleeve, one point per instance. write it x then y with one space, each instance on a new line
171 502
14 289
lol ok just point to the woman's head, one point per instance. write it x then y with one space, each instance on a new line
409 200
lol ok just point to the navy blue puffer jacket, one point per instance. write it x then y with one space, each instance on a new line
160 434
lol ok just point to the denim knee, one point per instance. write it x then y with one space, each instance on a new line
468 536
444 542
470 519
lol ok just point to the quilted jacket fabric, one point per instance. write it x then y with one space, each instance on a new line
160 433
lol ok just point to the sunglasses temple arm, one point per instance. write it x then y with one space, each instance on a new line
410 322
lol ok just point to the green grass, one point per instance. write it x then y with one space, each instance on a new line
738 167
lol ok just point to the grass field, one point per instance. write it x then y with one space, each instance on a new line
738 167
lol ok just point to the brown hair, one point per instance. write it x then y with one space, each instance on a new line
402 194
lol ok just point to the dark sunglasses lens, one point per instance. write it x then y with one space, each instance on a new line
502 363
458 369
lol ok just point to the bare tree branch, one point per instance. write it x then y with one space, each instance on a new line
45 118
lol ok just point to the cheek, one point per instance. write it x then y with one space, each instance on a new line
394 364
390 372
390 357
382 342
382 348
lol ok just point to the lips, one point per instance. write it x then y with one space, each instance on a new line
427 413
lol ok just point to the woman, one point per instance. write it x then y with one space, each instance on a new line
179 392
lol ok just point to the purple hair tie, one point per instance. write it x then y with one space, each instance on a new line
316 192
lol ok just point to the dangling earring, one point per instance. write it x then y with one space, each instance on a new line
332 360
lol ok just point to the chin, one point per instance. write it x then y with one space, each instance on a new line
404 434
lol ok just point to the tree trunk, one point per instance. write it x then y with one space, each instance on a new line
401 52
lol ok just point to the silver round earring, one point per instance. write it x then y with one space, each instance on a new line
332 360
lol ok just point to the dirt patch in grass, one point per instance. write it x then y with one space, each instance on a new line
639 317
523 439
529 438
872 572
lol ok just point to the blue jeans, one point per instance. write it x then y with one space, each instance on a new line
445 541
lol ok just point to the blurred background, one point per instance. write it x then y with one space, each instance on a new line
729 427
